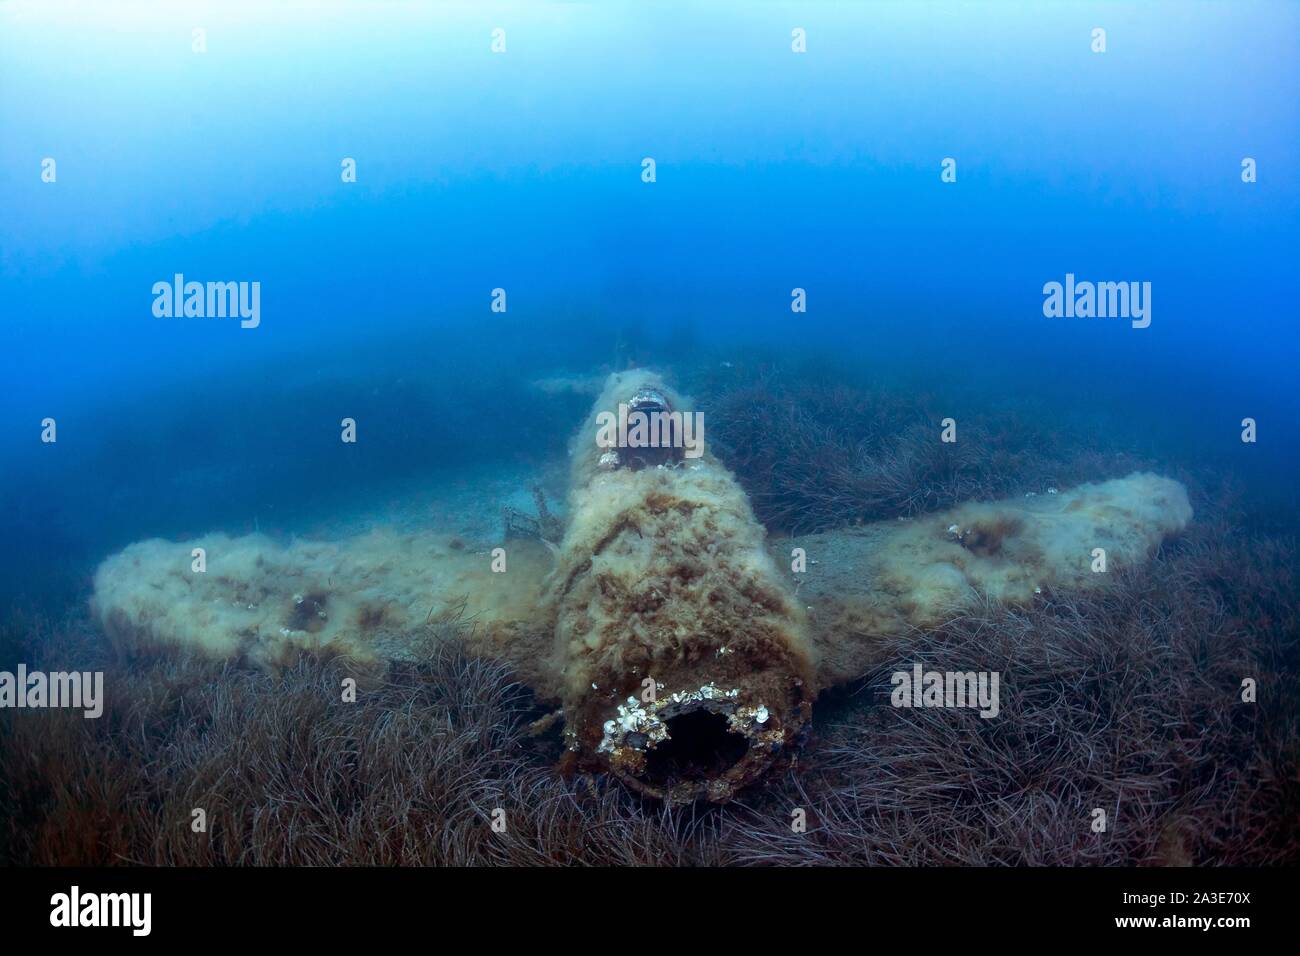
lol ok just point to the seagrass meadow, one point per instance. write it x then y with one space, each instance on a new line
1123 696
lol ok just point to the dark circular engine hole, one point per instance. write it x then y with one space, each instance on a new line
700 746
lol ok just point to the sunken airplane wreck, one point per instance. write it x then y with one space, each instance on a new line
663 624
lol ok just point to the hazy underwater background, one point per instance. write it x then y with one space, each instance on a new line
522 170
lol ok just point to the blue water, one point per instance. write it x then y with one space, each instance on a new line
522 170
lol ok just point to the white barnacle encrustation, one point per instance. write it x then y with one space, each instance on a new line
747 721
631 718
635 718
